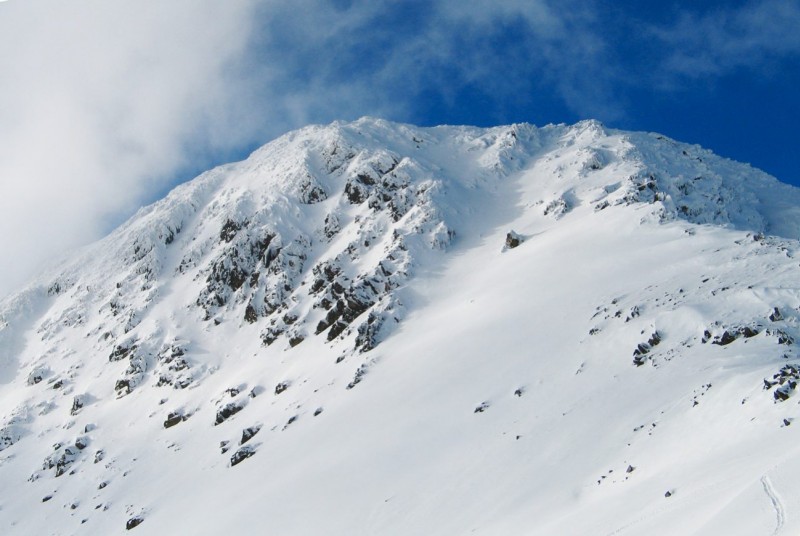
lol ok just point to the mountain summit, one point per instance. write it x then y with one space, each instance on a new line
376 328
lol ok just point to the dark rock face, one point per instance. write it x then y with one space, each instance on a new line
242 454
138 365
250 313
292 419
252 266
332 226
375 182
787 379
250 258
311 193
172 367
558 207
513 240
174 418
732 334
369 331
483 406
77 403
123 387
256 267
783 392
248 433
642 351
654 339
227 411
346 301
134 522
122 351
358 376
229 230
748 332
781 336
724 340
37 375
61 459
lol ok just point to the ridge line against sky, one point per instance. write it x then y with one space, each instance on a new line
105 105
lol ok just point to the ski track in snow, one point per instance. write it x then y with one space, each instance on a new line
777 503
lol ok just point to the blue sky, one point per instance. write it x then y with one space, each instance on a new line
107 104
723 74
741 103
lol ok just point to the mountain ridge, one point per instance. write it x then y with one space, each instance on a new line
279 294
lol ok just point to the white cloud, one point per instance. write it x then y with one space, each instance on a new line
391 53
99 100
722 40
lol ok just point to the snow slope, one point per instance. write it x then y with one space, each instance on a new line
374 328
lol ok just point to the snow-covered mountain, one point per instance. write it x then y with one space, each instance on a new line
375 328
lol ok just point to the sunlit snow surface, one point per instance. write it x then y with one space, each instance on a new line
347 294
